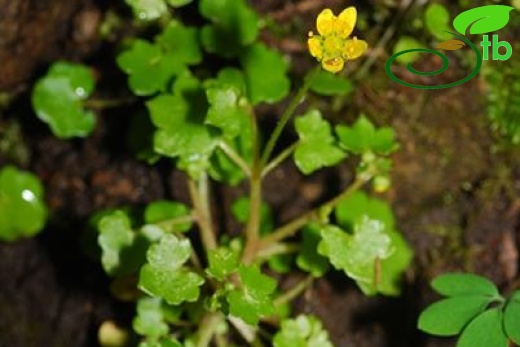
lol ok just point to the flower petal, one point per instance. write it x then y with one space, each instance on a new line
325 22
354 48
333 64
346 22
315 49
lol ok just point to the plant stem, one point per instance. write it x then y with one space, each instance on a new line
287 114
294 292
279 159
235 157
246 331
293 226
108 103
200 199
277 249
255 198
207 329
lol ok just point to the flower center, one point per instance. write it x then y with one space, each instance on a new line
333 45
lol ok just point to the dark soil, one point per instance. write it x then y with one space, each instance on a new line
455 192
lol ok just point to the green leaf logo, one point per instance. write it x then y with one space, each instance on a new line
482 20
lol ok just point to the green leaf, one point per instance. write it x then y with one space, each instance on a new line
316 148
222 262
235 25
484 331
164 275
405 43
512 318
57 99
449 316
163 211
143 60
308 258
357 204
329 84
225 112
180 43
357 254
393 267
437 19
115 236
253 300
150 320
148 10
22 207
483 19
459 284
168 342
363 137
303 331
179 3
182 133
266 74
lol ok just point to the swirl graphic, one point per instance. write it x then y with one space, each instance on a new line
445 65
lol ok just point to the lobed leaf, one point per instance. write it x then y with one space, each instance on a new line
363 137
57 99
316 148
302 331
266 74
148 10
222 262
234 25
308 258
150 320
115 236
253 299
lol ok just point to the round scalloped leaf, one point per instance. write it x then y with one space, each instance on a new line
182 42
235 25
449 316
512 318
483 19
458 284
484 331
148 68
266 74
302 331
148 10
22 209
57 99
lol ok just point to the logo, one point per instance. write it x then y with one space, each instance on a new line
480 20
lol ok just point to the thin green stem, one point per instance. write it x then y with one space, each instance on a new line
207 329
293 226
200 199
271 143
279 159
294 292
235 157
255 199
277 249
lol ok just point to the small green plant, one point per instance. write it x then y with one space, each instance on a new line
473 309
195 285
23 211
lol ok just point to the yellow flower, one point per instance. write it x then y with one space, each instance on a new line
333 47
